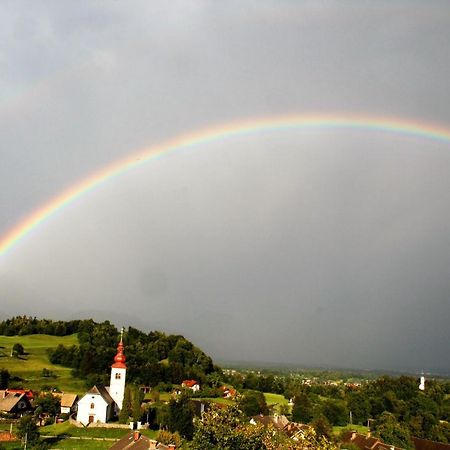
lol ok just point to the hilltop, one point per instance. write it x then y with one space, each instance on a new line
83 357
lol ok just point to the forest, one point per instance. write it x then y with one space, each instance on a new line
152 358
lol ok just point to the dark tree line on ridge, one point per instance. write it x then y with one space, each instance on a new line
152 358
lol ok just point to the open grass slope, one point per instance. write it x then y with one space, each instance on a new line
67 436
29 367
275 399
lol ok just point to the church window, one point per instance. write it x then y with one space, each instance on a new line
92 405
117 376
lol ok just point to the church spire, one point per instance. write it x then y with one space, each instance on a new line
119 359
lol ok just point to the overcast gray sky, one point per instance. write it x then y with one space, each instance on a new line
312 248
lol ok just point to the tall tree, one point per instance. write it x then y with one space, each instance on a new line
181 416
302 411
28 429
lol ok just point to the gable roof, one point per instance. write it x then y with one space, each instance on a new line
277 421
8 403
101 390
424 444
293 429
189 383
129 442
68 400
367 442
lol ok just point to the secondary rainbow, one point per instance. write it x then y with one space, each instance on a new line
243 127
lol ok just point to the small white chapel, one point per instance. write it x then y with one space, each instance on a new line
102 403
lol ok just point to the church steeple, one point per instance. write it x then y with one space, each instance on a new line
120 358
118 374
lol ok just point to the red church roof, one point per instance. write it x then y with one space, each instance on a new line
119 359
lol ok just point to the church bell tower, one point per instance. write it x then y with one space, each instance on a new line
118 373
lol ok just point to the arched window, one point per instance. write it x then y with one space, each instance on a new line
92 405
117 376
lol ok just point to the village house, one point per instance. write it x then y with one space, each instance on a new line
137 441
14 403
27 392
279 422
227 392
191 384
366 442
69 403
101 403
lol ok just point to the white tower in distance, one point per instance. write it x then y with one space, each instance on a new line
118 374
422 383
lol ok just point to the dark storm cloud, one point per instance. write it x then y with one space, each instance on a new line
319 248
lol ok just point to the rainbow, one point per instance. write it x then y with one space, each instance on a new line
241 128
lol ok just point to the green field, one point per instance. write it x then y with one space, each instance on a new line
275 399
30 367
358 428
276 402
65 435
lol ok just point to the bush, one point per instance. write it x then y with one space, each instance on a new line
166 437
18 350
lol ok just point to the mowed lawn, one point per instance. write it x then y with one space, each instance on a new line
29 367
276 401
358 428
91 438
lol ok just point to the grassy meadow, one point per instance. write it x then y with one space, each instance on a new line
66 436
29 367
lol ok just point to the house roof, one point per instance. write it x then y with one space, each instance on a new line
68 400
293 428
423 444
367 442
27 392
277 421
101 390
8 403
189 383
129 442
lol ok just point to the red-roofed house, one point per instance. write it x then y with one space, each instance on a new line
367 442
191 384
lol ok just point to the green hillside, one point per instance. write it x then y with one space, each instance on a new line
29 367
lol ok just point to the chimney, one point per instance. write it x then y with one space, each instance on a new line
136 435
152 444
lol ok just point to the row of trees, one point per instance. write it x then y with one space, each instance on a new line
25 325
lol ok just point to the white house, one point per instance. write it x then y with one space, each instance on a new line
68 403
101 403
191 384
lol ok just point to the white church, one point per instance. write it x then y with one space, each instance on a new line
102 403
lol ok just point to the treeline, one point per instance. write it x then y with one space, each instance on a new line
152 358
25 325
